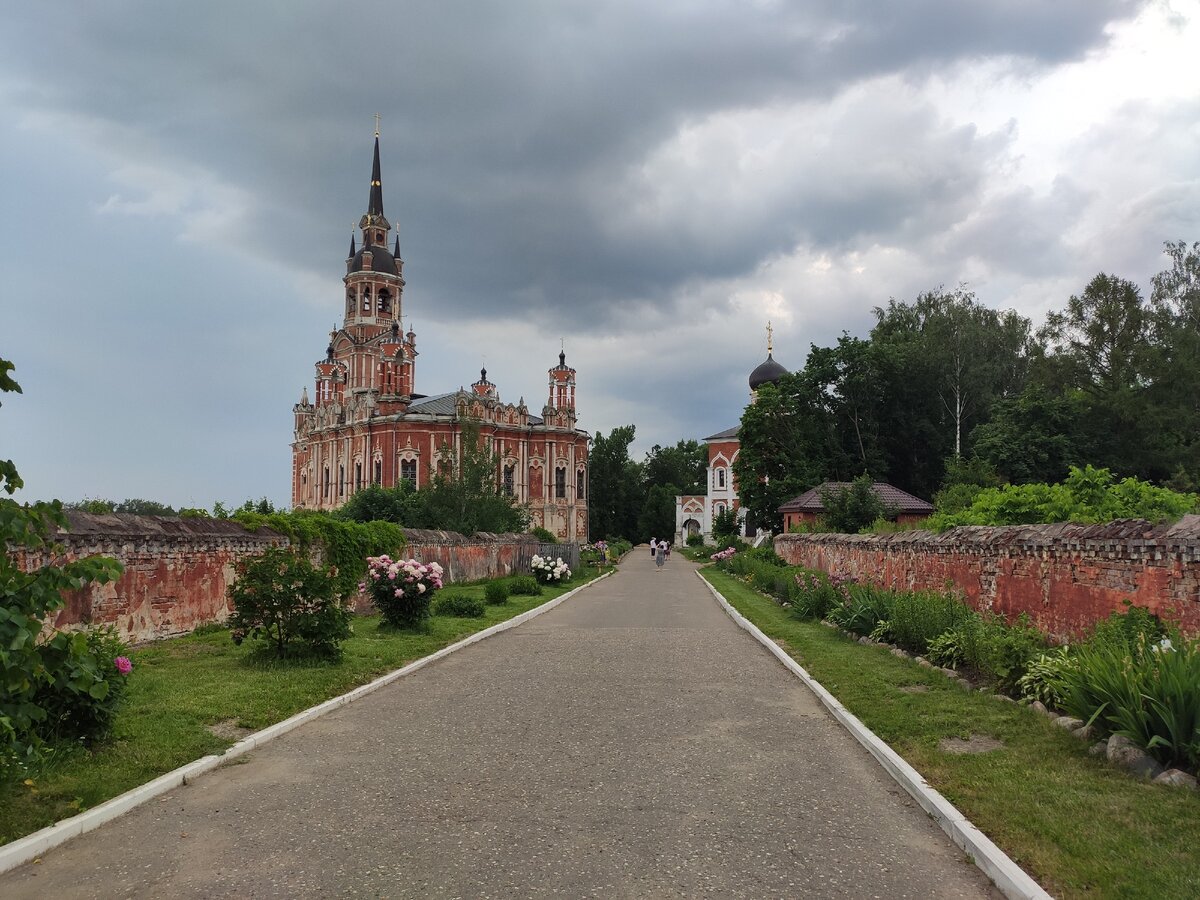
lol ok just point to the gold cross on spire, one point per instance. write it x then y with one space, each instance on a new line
376 124
770 333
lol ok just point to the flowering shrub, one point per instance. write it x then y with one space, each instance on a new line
81 698
548 572
722 555
401 589
282 599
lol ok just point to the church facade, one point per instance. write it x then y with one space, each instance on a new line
695 513
366 423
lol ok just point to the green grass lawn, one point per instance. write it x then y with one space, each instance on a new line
180 686
1080 826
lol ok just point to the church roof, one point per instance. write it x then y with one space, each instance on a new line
768 371
444 405
729 434
381 260
901 501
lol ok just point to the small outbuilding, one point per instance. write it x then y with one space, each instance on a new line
808 507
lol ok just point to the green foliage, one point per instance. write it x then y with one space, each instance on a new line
1087 495
496 591
41 677
1036 435
463 494
133 506
657 517
918 617
726 527
523 586
281 598
862 608
85 686
614 484
543 535
685 465
1047 677
993 650
402 505
852 509
262 506
813 595
340 544
462 606
695 540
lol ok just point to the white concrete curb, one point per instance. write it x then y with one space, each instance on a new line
1010 878
34 845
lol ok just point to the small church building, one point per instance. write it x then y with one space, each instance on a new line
695 513
366 423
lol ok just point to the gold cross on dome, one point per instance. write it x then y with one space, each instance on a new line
770 333
376 124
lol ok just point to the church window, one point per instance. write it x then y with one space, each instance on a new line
408 471
560 483
579 484
358 476
720 478
509 472
366 300
349 301
378 472
325 489
385 302
341 481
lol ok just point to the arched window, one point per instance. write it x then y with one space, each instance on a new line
509 479
341 480
408 471
378 471
720 478
366 300
580 481
385 301
325 489
560 483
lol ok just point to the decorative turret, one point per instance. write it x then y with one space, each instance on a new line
483 387
374 279
562 385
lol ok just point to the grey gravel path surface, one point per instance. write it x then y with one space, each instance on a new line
632 742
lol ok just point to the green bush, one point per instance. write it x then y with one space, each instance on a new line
919 617
695 540
813 594
543 535
87 676
282 599
1047 677
1087 495
863 608
1132 680
462 606
523 586
496 592
996 651
47 683
342 545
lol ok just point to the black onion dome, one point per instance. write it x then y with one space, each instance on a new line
768 372
381 260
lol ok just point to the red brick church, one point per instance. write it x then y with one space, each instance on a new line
367 424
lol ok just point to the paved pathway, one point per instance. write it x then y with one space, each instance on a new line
632 742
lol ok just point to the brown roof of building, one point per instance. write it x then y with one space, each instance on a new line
893 497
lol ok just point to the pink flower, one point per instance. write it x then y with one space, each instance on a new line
399 593
124 666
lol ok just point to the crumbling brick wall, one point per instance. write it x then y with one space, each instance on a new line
178 571
1066 577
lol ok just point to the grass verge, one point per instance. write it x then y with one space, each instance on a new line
181 687
1077 824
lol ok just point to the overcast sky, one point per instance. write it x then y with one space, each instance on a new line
649 182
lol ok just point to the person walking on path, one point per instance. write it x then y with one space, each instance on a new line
653 547
660 556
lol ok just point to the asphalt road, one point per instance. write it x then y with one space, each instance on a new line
632 742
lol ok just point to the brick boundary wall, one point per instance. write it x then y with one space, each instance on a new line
1066 577
178 570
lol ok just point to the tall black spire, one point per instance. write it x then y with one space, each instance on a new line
375 206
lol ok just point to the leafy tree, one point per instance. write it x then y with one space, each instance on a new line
281 598
780 447
37 671
1035 436
726 526
463 494
616 497
852 508
658 512
262 506
684 465
965 478
402 504
1174 395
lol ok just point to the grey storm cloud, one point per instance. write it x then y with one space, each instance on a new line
650 181
513 133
